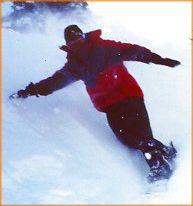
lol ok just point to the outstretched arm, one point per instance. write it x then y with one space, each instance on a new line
58 80
132 52
156 59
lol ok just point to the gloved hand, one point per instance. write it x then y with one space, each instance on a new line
31 89
156 59
24 93
170 62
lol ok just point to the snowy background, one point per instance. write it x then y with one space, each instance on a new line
59 149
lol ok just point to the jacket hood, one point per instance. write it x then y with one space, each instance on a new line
91 36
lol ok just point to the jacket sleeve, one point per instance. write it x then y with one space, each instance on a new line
133 52
58 80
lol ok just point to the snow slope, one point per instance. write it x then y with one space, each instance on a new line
59 149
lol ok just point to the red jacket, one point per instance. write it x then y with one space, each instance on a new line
99 63
113 85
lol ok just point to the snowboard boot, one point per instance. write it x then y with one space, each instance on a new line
170 153
160 158
160 168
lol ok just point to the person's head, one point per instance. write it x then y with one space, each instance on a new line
72 33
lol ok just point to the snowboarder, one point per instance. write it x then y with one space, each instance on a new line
99 64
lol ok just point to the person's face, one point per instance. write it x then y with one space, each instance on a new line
78 40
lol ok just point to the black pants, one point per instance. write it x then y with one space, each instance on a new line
130 122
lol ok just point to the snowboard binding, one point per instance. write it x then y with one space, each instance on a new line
161 160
